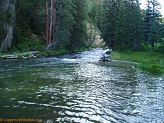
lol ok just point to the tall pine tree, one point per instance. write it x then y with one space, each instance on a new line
79 30
152 23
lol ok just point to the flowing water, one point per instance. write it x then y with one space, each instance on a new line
77 88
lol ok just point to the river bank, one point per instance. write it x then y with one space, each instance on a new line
148 61
40 54
34 54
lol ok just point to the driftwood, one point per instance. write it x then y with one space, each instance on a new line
9 56
32 54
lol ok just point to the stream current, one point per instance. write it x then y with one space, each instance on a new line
78 88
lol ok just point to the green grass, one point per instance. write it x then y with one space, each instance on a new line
148 61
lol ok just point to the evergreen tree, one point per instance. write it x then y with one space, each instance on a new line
109 24
78 31
95 18
95 12
152 22
123 25
29 23
135 25
161 28
121 28
65 21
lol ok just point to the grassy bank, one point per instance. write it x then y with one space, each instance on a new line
148 61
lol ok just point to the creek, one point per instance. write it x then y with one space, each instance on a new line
79 88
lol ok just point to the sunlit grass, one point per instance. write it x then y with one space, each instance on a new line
149 61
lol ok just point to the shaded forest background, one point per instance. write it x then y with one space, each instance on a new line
62 25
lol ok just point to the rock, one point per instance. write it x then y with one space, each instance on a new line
105 57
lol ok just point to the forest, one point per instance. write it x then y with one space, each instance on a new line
61 25
81 61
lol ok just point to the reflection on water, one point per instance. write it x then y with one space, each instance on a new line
79 89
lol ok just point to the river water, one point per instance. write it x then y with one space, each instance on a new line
77 88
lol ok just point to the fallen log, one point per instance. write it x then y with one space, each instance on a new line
31 54
9 56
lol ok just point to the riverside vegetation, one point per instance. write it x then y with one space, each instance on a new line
55 27
152 62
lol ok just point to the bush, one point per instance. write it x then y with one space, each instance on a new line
30 44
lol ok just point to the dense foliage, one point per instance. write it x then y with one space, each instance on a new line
62 24
153 27
125 26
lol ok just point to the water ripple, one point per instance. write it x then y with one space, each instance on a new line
80 90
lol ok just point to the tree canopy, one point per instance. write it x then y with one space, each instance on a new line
62 24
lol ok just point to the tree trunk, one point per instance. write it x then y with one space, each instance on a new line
153 22
5 42
50 23
54 31
47 27
50 32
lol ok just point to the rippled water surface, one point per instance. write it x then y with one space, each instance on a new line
79 88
